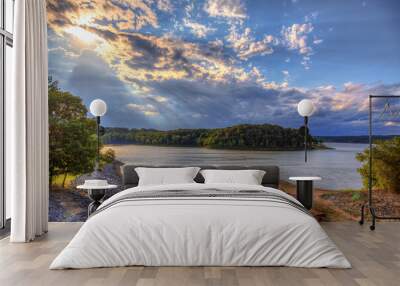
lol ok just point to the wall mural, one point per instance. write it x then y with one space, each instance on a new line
199 65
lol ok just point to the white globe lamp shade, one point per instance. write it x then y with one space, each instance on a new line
98 107
305 107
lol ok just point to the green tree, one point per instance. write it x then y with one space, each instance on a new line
385 166
245 136
72 136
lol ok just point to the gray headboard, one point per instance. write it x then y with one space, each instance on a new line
271 177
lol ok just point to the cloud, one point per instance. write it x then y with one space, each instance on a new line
165 5
286 76
246 46
344 110
312 16
231 9
92 78
189 9
317 41
214 104
62 57
295 37
161 99
147 109
351 101
137 57
117 15
352 96
392 123
197 29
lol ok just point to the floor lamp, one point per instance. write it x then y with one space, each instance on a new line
98 108
306 109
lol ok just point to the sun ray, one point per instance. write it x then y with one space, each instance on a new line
83 35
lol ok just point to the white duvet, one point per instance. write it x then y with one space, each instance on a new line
193 231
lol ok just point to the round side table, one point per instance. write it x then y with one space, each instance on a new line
305 190
96 194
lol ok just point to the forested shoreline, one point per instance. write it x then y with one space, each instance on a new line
244 136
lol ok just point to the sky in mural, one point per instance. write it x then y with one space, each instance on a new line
188 64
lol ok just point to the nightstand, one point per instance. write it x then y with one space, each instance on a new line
305 190
96 190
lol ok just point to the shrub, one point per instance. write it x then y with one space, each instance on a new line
385 165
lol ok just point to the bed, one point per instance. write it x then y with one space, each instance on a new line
197 224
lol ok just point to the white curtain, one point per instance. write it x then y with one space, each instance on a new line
28 123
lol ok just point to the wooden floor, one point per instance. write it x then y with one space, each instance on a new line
375 257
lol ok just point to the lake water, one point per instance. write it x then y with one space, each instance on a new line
337 167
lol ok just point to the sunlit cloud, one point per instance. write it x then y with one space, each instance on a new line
116 15
351 97
295 37
226 8
197 29
392 123
82 34
246 46
148 109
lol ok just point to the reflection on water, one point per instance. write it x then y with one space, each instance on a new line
337 167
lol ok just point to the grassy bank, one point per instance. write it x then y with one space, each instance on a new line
58 180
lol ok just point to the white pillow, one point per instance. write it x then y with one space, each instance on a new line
248 177
166 176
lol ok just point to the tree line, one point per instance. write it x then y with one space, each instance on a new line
244 136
